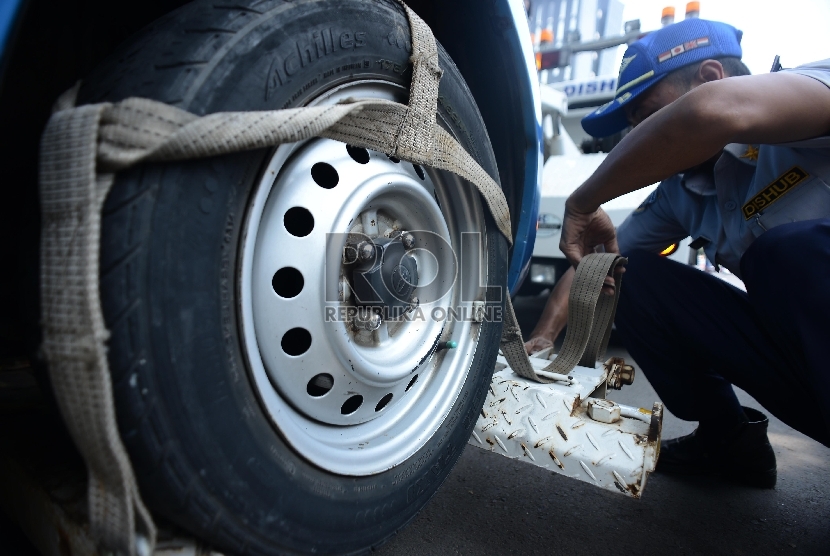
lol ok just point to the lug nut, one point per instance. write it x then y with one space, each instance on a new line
374 322
349 254
408 240
367 320
413 304
366 250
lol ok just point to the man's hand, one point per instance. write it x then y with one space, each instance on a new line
537 343
583 232
554 316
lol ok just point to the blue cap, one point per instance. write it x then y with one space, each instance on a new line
656 55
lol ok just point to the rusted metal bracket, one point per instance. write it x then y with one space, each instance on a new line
569 427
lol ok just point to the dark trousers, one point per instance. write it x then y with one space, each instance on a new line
694 336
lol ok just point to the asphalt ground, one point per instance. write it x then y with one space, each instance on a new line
491 505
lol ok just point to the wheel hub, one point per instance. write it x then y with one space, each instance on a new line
385 276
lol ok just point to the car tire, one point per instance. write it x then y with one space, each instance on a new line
222 442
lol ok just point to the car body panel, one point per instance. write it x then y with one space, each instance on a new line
9 10
525 235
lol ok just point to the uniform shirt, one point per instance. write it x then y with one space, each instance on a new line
753 188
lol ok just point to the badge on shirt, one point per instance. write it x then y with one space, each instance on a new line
751 153
774 191
649 201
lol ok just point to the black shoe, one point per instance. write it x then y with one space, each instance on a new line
742 455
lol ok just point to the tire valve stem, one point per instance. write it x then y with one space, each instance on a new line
450 344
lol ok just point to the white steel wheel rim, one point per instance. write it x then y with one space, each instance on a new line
423 382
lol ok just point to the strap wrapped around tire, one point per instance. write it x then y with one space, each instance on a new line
82 149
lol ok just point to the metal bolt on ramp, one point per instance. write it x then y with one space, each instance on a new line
564 426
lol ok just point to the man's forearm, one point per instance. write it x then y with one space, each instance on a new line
672 140
555 315
770 108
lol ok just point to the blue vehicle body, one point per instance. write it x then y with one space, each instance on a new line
525 236
8 12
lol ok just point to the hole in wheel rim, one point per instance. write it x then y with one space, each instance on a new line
383 401
298 221
296 341
411 383
320 385
325 175
288 282
419 171
358 154
351 405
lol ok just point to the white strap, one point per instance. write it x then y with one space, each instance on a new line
71 198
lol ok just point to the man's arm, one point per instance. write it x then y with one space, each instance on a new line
554 317
769 108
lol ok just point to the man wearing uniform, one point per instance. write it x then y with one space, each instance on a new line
744 166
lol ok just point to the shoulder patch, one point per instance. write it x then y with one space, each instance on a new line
751 153
650 200
782 185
